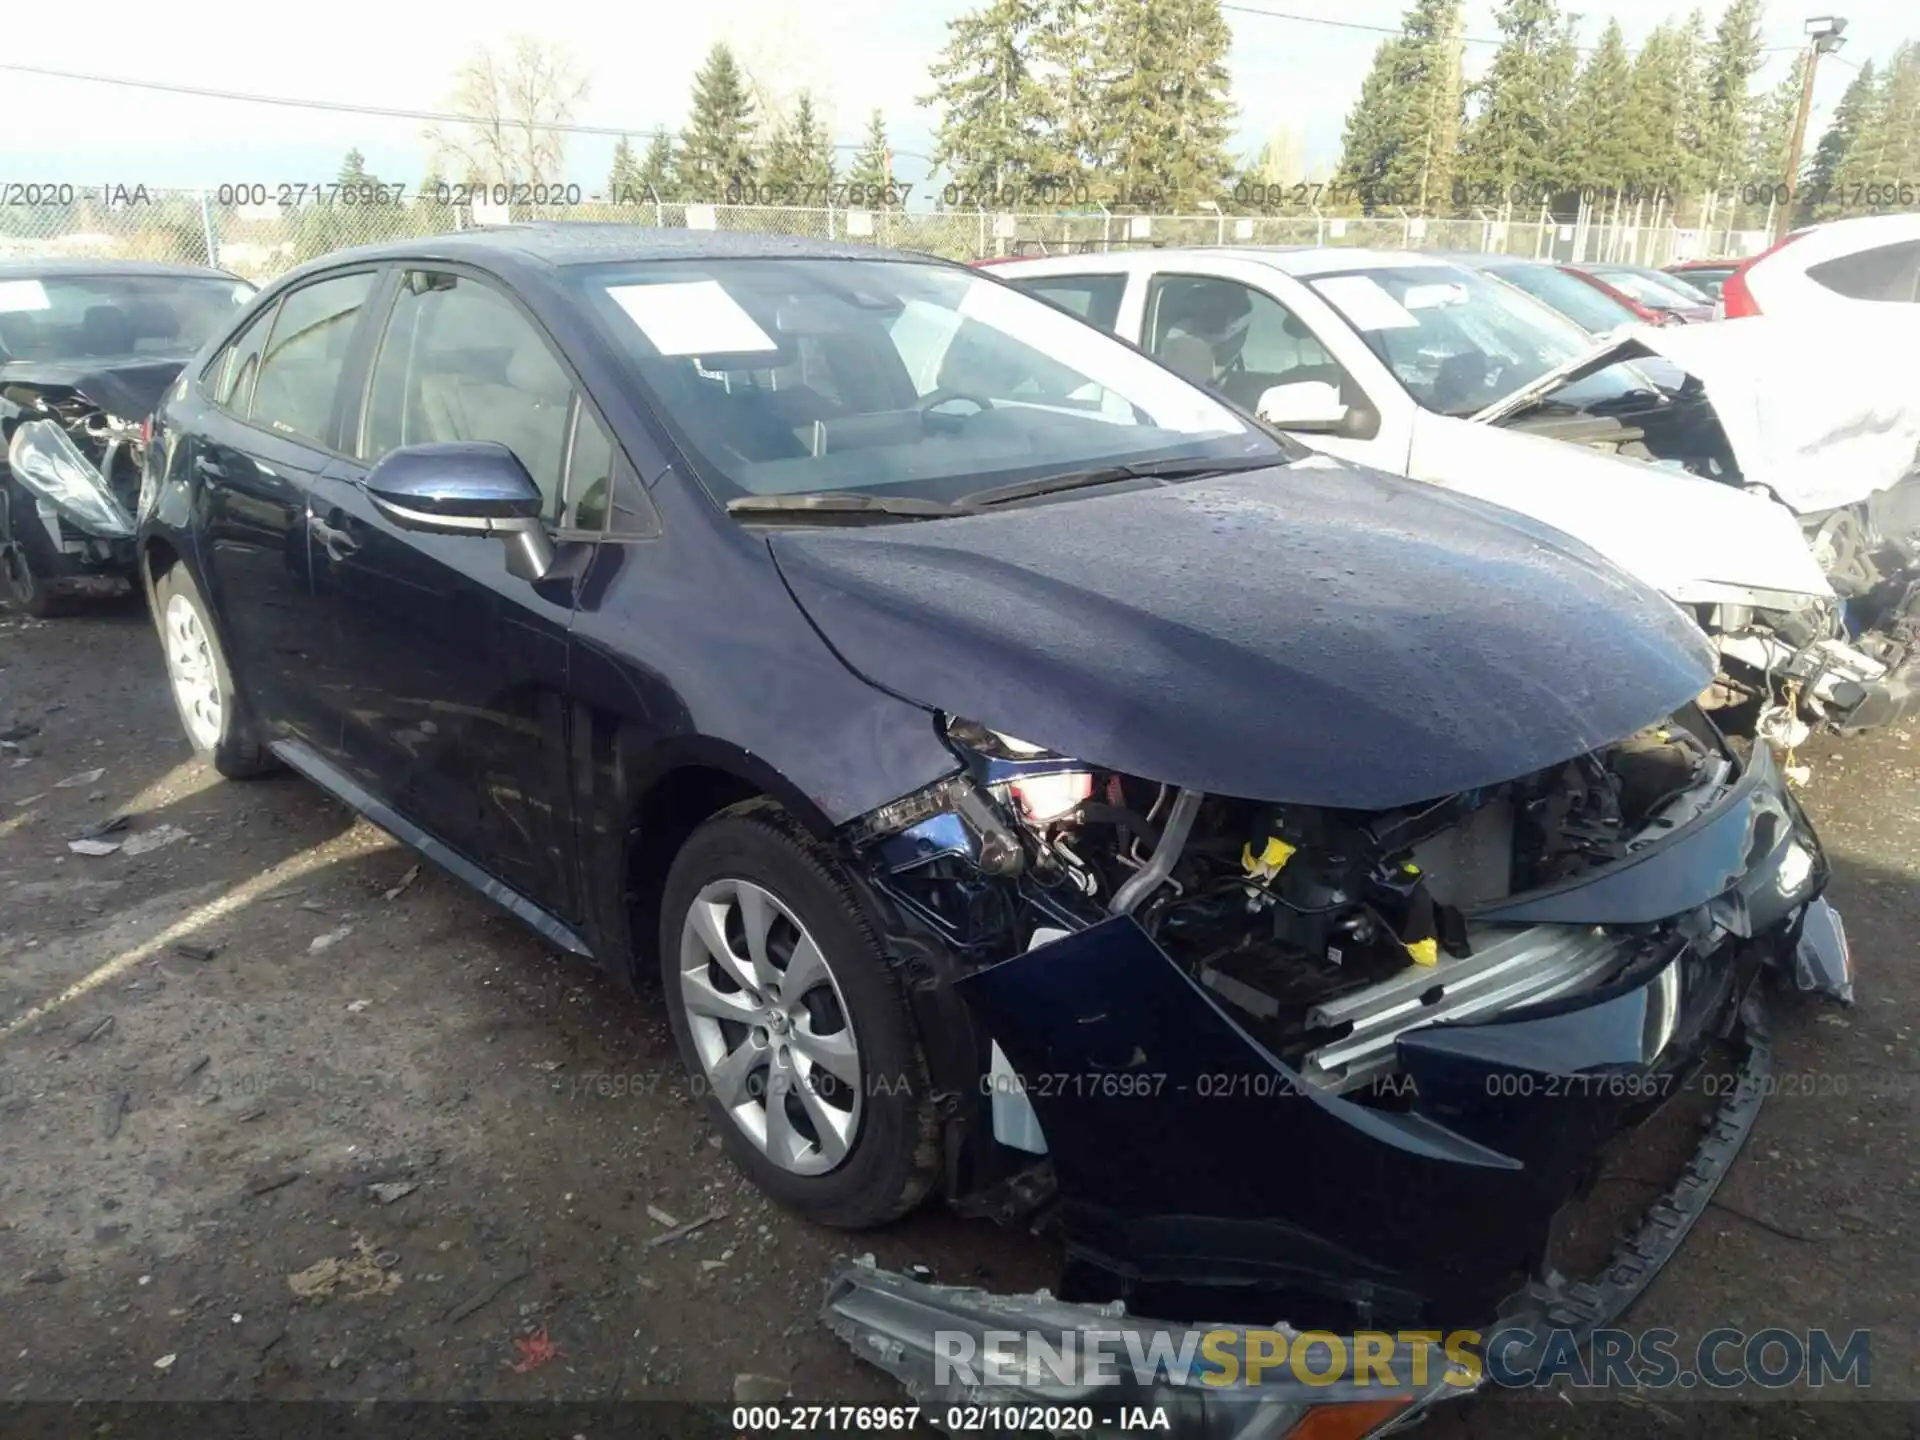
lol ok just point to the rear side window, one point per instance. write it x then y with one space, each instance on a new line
1886 272
233 373
305 355
1094 298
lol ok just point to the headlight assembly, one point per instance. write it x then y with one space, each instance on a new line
48 463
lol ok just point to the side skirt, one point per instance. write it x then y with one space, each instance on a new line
304 760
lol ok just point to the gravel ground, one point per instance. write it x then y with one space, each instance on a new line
283 1117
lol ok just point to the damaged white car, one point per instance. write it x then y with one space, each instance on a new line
1764 484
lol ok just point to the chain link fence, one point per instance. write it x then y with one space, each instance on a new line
262 240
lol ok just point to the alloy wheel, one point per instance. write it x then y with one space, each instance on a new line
196 681
770 1026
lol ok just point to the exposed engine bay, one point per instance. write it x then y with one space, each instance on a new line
1847 663
75 448
1329 932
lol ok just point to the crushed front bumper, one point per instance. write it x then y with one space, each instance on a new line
937 1340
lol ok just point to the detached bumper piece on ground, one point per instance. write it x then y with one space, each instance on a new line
1273 1063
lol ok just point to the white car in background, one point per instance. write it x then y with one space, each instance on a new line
1417 366
1843 270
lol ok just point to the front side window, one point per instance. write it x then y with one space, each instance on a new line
1458 340
76 317
787 376
459 361
1233 337
1886 273
305 355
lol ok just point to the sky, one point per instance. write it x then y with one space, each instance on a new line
640 58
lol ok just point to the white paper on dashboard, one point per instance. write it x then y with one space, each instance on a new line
22 295
694 317
1361 300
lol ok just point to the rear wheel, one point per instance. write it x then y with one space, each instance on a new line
201 682
792 1023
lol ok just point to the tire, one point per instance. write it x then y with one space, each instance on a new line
215 720
25 591
885 1120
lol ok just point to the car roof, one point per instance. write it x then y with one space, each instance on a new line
1299 261
54 269
559 244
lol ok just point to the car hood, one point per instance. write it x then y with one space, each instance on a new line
1694 539
1819 423
127 386
1314 633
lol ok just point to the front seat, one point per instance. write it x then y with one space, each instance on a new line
105 330
526 411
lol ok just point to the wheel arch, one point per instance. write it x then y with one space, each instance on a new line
657 799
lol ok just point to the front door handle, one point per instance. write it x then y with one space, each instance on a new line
336 541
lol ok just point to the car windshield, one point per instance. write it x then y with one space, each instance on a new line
1459 340
83 317
894 378
1708 281
1654 294
1592 310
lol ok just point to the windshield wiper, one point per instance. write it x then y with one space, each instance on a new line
834 504
1113 475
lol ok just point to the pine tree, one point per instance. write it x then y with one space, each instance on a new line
800 157
354 173
1070 89
1657 112
1163 114
993 108
1601 157
655 178
624 174
716 148
1693 123
1834 170
872 167
1890 150
1403 135
1730 106
1375 126
1509 144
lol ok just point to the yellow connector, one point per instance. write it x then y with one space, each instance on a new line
1271 860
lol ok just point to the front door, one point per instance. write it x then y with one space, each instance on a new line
456 672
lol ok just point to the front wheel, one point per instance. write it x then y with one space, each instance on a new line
201 681
793 1025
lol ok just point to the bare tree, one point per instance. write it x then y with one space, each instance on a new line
515 101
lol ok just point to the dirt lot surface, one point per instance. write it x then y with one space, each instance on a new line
277 1121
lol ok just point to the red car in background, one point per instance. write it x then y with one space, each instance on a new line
1657 298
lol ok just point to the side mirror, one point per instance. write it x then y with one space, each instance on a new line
466 487
1313 406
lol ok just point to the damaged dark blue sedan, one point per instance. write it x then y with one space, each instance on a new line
1031 780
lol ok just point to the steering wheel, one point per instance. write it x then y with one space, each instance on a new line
930 403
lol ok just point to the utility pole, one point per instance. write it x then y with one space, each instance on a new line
1823 36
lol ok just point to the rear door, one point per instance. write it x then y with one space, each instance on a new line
455 672
266 431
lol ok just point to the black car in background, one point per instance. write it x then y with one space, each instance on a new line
1028 778
87 347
